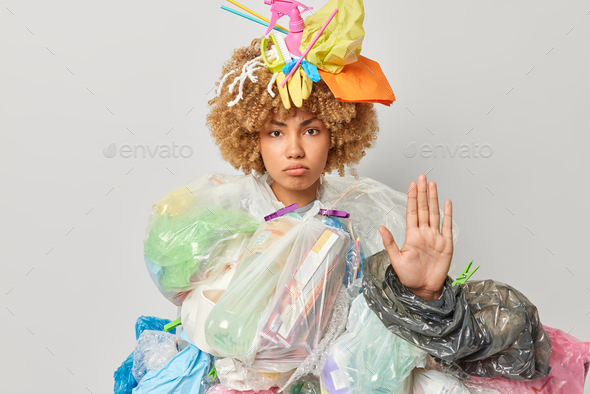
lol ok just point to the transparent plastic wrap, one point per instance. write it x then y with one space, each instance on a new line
570 360
153 350
435 382
368 358
191 230
280 299
314 363
234 375
488 328
188 241
220 389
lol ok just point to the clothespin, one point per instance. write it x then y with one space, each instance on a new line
464 275
172 324
213 372
330 212
281 212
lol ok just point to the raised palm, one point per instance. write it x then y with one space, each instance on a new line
423 262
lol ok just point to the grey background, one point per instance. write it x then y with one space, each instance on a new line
78 76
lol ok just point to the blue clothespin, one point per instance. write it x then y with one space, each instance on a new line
464 275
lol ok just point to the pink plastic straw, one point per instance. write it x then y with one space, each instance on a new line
310 46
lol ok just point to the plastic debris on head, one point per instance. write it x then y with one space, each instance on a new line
326 46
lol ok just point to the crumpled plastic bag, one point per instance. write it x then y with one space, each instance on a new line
435 382
220 389
234 375
280 299
190 230
153 350
570 360
367 358
341 42
488 328
183 374
124 379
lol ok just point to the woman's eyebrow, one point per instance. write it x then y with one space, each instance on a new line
304 123
308 121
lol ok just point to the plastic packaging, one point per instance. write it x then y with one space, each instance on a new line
570 360
435 382
234 375
281 297
314 363
190 230
368 358
220 389
370 204
153 350
308 384
489 328
124 379
183 374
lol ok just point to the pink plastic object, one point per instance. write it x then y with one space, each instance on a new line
280 8
311 44
219 389
570 360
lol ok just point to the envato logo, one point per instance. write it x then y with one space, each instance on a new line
164 151
463 151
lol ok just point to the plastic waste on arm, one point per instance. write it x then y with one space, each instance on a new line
488 328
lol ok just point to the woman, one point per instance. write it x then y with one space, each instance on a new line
483 328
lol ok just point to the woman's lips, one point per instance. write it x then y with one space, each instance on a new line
297 171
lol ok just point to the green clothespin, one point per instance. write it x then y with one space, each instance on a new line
172 324
213 372
464 275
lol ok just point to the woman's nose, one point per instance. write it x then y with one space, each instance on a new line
294 145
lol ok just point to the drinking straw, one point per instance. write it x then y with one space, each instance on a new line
254 13
310 46
252 18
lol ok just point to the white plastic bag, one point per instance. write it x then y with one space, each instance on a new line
435 382
278 303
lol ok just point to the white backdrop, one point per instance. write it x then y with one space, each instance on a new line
77 77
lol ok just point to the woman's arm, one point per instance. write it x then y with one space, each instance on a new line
488 328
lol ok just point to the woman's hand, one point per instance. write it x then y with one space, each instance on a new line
423 262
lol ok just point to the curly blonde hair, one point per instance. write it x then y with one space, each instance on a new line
353 126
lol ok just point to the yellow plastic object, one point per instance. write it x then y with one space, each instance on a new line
341 42
276 66
283 92
294 84
306 85
173 206
297 89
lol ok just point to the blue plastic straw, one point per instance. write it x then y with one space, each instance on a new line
253 19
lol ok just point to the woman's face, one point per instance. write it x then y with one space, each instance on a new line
302 139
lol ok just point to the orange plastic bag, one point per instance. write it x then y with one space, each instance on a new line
361 81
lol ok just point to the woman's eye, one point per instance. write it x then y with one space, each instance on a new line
276 131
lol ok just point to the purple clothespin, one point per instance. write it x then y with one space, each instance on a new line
329 212
281 212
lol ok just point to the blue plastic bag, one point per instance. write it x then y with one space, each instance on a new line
182 374
124 380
